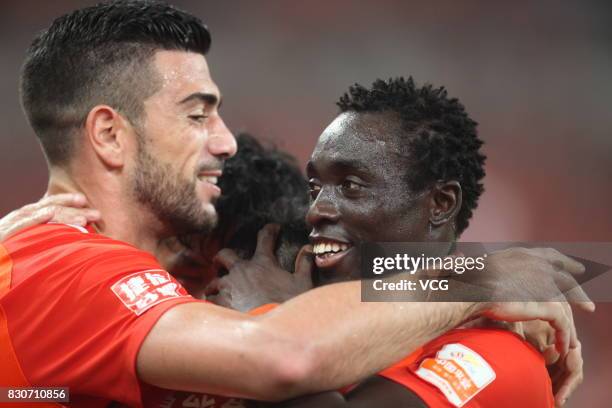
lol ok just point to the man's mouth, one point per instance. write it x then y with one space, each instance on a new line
211 178
329 252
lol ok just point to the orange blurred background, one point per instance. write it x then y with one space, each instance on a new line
535 75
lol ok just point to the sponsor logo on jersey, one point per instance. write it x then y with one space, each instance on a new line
142 290
458 372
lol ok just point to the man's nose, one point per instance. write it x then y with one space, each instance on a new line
222 142
322 209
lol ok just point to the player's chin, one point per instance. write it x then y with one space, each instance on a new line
207 200
210 215
203 220
345 269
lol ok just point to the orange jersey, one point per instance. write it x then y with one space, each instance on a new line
75 307
476 368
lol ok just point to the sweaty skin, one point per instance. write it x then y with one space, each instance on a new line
156 177
61 208
356 175
357 181
176 152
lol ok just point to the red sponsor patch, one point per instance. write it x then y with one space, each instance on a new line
142 290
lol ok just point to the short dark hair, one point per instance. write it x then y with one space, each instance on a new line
440 136
262 185
99 55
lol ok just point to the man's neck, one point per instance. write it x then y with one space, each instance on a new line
123 218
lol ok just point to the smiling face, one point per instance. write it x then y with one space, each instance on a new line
182 143
357 175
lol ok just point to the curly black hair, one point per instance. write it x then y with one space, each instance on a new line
440 136
260 186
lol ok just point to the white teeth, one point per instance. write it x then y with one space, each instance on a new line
331 247
209 179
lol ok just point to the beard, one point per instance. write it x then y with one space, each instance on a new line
170 197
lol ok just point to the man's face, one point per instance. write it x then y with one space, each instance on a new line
357 176
182 144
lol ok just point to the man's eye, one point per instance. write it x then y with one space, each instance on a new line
198 118
351 186
314 189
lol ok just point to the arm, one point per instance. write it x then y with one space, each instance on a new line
326 338
206 348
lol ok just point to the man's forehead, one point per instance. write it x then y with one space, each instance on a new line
183 72
358 136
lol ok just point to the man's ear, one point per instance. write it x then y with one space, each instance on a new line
445 202
107 133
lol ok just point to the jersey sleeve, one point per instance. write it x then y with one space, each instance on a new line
263 309
476 368
81 321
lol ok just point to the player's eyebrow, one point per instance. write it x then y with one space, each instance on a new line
342 166
349 165
207 98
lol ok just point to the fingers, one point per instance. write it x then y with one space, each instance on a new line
61 208
218 292
213 287
558 319
573 334
573 292
550 354
552 312
52 201
574 367
566 283
226 258
578 297
562 262
75 216
38 217
558 314
266 240
304 263
76 200
223 298
68 209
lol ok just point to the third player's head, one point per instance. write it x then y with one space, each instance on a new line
123 91
260 185
400 163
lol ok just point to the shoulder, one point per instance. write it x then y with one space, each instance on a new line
486 366
49 250
54 237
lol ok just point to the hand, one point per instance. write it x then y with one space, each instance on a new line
61 208
567 374
261 280
541 336
530 284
